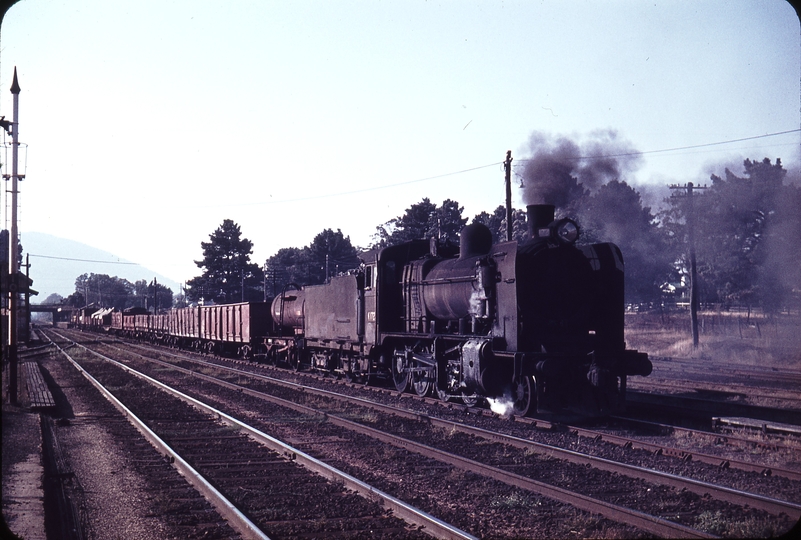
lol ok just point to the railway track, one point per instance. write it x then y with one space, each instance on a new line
116 483
693 407
646 443
705 370
255 481
624 441
723 391
652 430
426 427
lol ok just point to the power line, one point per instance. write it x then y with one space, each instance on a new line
364 190
496 164
629 154
704 145
82 260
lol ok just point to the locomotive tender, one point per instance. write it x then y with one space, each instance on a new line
532 326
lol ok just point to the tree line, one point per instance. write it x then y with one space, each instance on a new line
104 291
747 231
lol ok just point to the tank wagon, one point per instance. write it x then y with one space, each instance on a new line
530 326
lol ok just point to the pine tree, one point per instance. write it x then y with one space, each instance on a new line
228 274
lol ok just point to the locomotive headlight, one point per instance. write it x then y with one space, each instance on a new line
567 231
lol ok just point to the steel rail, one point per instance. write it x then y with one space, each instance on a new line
618 513
415 516
701 407
731 495
686 367
227 510
705 458
579 431
684 385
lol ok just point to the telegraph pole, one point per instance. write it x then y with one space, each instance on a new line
13 247
689 188
507 165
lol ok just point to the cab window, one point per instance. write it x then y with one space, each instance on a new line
368 277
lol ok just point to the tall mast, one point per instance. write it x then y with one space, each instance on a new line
13 250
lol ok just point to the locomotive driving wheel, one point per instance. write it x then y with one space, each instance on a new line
424 375
400 373
422 380
410 371
523 395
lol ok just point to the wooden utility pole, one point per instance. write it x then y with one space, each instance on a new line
507 165
688 193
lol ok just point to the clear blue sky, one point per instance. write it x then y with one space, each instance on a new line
148 123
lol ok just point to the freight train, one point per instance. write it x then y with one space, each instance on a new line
534 326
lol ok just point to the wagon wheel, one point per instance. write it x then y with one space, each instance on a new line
293 359
399 376
264 355
369 379
523 395
348 368
351 376
469 399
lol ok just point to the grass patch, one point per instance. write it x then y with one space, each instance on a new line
749 527
515 499
754 339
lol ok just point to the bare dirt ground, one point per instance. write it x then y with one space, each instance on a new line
747 339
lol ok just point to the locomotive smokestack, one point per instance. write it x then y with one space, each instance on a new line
539 217
474 240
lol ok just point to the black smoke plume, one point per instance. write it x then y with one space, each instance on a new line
560 170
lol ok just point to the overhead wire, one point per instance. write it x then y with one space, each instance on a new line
691 147
83 260
434 177
363 190
500 163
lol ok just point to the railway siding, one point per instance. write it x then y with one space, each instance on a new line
684 503
279 496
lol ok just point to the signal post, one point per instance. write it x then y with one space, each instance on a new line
12 281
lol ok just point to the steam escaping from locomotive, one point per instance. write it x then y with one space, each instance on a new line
502 406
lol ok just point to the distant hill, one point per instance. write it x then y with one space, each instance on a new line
56 262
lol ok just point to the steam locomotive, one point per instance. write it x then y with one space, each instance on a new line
530 326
